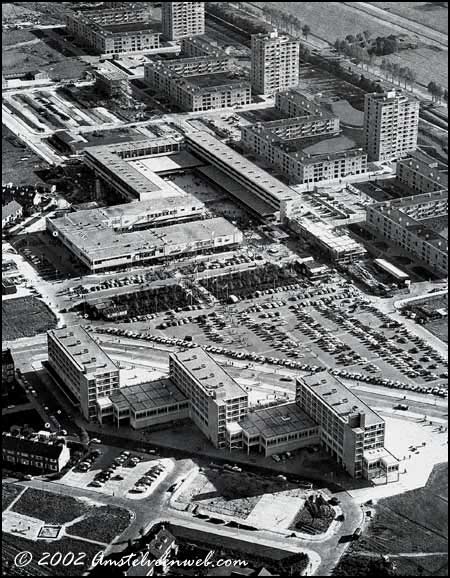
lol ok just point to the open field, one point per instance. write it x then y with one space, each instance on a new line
25 317
432 14
428 63
16 155
412 522
9 493
103 524
261 502
50 508
77 551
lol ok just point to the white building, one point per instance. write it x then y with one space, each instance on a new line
274 62
81 367
182 19
350 430
217 401
391 124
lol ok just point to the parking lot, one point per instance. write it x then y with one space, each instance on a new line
131 475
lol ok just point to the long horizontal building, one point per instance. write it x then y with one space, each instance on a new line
255 182
122 167
114 31
294 102
100 247
418 225
307 149
200 83
352 432
82 368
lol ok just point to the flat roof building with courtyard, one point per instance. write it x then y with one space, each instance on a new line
200 83
349 429
114 31
391 125
418 225
307 149
83 369
275 62
182 19
122 167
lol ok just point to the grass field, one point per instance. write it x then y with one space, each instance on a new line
14 169
413 522
49 507
84 553
432 14
25 317
9 493
340 20
102 524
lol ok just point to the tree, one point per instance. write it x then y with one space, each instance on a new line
432 89
350 38
367 35
306 30
439 93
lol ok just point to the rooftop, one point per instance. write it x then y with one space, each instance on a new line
10 209
98 240
341 400
50 449
216 79
276 421
149 395
237 162
213 379
83 350
336 240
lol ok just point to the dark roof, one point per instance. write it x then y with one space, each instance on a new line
30 446
7 357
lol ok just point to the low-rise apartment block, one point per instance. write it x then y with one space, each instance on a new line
114 31
199 46
418 225
82 368
199 84
41 451
422 174
308 149
294 103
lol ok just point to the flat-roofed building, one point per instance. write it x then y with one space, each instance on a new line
391 125
110 80
333 242
307 149
201 83
295 102
83 369
195 46
418 225
217 400
275 62
422 173
255 181
145 404
278 429
121 166
114 31
349 428
100 247
182 19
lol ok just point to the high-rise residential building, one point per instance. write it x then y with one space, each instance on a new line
182 19
391 123
275 62
83 370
